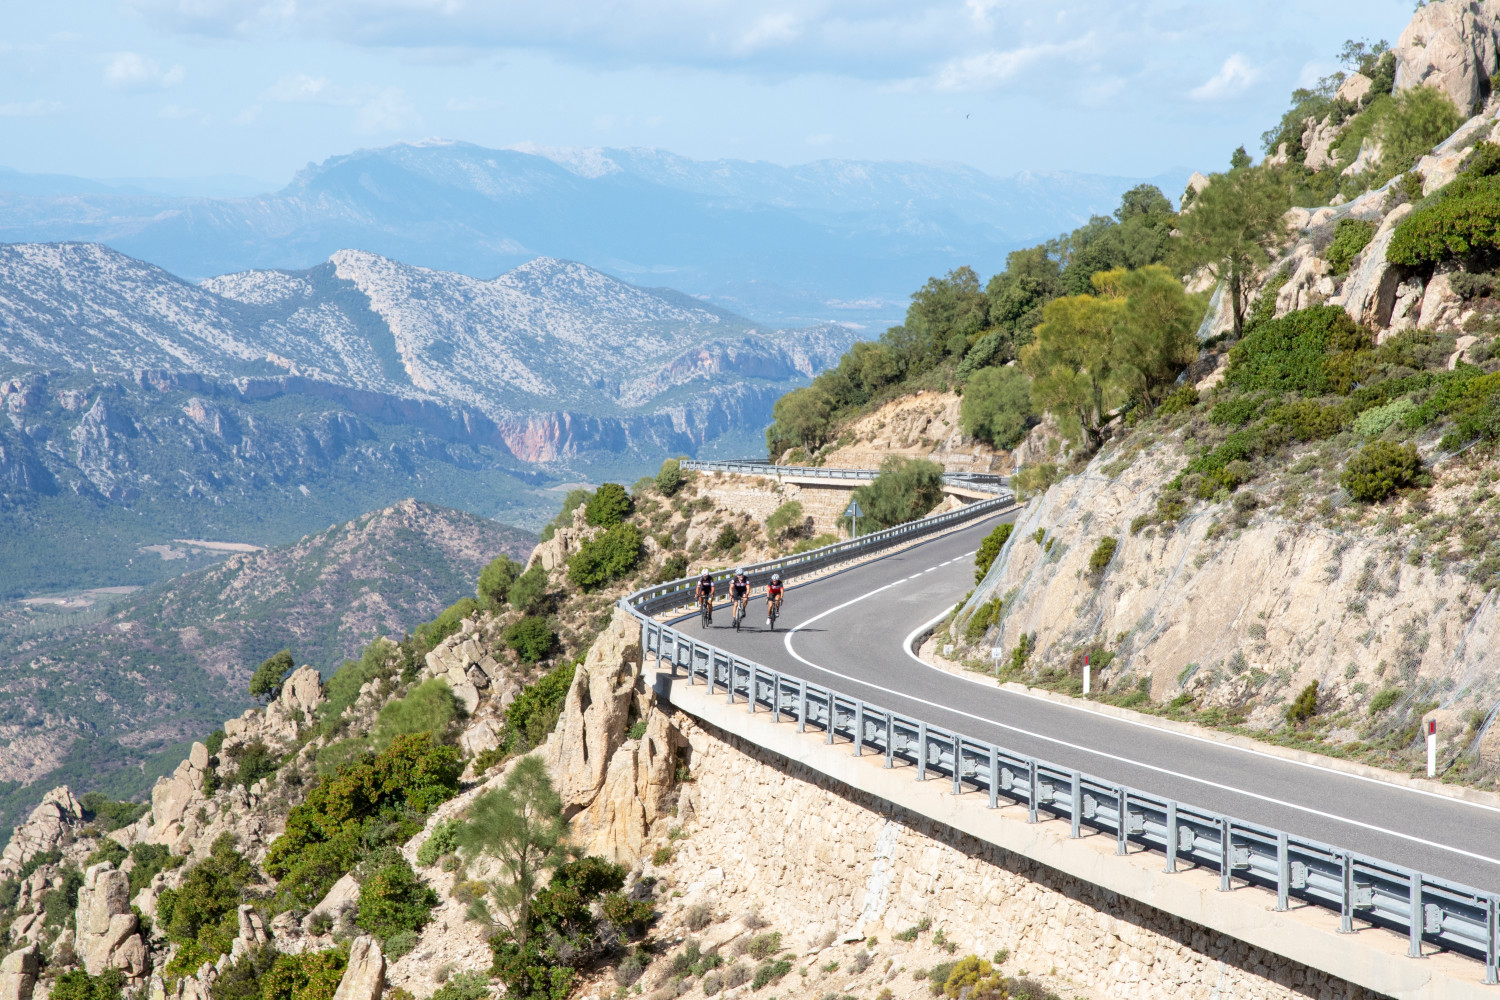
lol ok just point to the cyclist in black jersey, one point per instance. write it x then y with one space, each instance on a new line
739 593
706 590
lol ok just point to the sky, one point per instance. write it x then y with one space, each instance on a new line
246 92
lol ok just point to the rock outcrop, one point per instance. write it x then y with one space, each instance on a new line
364 977
1369 293
107 934
1451 45
595 713
43 830
18 973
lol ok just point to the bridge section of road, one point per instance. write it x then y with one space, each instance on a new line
1285 855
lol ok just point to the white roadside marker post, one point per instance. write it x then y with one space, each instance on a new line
1086 677
1432 748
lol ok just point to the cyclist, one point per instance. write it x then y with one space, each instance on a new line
773 596
739 592
706 594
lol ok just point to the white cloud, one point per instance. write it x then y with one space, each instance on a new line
1232 79
820 139
300 88
989 70
133 71
388 111
30 109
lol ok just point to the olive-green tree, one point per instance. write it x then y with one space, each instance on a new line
266 683
1155 333
1071 363
1231 229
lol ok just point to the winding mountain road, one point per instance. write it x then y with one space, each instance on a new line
851 632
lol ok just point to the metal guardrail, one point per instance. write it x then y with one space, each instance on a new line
1427 910
979 481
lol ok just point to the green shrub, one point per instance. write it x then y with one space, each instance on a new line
670 479
605 558
785 520
496 579
816 542
1300 352
609 505
1033 479
764 945
59 902
563 931
1235 411
972 976
109 850
443 840
252 761
904 490
1419 118
1304 706
464 986
770 971
242 980
1375 420
531 638
201 916
1384 700
429 635
1380 469
342 689
1308 421
79 985
1350 236
382 797
674 567
312 975
980 621
109 814
1179 401
150 859
990 548
727 538
430 707
535 711
529 593
1102 554
392 900
266 682
996 406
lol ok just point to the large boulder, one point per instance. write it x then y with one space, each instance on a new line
595 712
364 976
1355 88
1451 45
18 973
1442 308
107 932
1302 288
617 823
1369 293
1318 138
43 830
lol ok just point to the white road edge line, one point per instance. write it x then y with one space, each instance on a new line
906 645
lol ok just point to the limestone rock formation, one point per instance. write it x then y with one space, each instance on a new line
18 973
43 830
1306 287
1451 45
635 795
364 977
595 711
471 671
1317 142
1355 88
1368 158
1369 294
107 933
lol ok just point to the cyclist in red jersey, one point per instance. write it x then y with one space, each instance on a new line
773 596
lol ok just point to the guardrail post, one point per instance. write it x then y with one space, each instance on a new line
713 675
1225 837
1346 896
1418 918
730 664
958 764
859 728
833 715
1122 821
775 696
890 740
802 706
1031 796
1491 946
1076 820
1171 868
994 776
1283 873
753 680
921 751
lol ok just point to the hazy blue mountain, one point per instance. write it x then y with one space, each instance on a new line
839 240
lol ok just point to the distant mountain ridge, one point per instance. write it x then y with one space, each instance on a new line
830 239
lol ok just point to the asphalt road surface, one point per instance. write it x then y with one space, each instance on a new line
850 632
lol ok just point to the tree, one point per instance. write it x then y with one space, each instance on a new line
1232 227
996 406
669 478
495 581
521 826
608 557
609 505
989 549
1071 363
945 315
531 638
266 683
529 593
904 490
801 417
1154 335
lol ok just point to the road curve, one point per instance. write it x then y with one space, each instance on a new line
848 632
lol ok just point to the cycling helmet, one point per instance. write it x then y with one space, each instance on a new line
775 577
738 571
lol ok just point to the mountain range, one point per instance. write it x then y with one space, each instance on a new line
258 405
787 245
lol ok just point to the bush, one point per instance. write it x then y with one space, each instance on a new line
1384 700
1418 119
382 797
817 542
1376 419
430 708
536 709
79 985
1180 401
630 970
996 406
445 624
529 593
496 579
1296 353
608 557
252 761
201 916
769 972
713 983
1103 553
727 538
973 978
1380 469
109 850
1304 706
785 521
764 945
990 548
109 814
609 505
312 975
441 841
736 975
670 477
58 903
698 916
150 859
674 567
904 490
464 986
1350 236
531 638
392 900
242 980
980 621
266 682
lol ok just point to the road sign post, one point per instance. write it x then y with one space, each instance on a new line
1086 677
1432 748
853 513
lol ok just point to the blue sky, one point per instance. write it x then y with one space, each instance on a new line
259 88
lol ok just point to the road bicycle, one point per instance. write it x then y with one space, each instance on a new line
773 608
739 611
706 605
